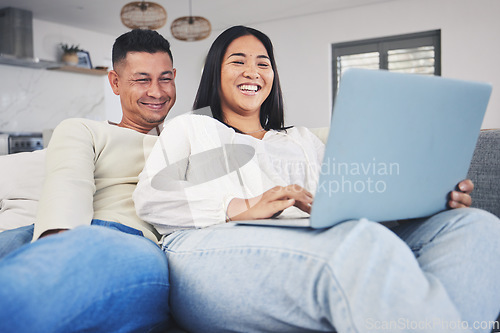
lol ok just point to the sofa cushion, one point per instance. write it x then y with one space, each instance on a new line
484 171
21 182
321 133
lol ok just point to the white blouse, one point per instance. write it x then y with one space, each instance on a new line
199 165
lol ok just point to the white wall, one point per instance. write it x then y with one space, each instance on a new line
32 100
189 58
47 37
469 30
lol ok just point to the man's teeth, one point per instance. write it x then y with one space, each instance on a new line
249 87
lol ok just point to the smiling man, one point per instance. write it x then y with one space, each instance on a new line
93 264
146 96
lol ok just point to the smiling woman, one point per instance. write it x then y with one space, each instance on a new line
198 181
245 57
246 82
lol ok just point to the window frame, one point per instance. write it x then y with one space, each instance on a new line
383 45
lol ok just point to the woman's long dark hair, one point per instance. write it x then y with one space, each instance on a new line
271 111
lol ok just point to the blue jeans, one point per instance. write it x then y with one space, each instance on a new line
435 275
11 240
93 278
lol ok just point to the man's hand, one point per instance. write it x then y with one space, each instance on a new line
270 203
52 232
461 198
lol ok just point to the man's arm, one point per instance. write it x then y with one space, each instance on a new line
51 232
67 195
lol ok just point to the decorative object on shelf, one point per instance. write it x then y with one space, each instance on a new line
143 15
191 28
84 59
70 54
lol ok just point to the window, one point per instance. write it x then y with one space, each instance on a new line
414 53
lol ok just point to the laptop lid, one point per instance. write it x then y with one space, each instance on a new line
398 144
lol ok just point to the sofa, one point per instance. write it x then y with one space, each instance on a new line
485 172
22 176
21 179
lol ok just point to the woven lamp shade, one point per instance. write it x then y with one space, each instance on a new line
191 28
143 15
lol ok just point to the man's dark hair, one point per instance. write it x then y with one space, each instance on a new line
139 40
271 112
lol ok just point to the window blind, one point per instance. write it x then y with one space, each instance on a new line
418 53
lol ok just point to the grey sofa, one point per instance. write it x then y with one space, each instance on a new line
484 171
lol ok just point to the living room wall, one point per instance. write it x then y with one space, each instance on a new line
470 48
470 37
470 43
32 100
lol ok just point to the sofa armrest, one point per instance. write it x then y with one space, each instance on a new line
484 171
321 133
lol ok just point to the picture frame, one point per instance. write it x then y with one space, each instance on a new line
84 59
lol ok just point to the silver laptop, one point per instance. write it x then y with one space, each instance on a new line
398 144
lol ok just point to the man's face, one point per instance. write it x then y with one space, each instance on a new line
146 85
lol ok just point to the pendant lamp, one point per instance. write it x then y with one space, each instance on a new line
191 28
143 15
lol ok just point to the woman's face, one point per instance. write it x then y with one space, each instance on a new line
246 76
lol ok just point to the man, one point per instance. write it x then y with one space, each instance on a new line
93 264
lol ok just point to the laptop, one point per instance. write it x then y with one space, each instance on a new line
398 144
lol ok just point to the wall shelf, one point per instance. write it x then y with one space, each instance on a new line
36 63
81 70
10 60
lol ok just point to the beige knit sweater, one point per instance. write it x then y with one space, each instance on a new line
92 169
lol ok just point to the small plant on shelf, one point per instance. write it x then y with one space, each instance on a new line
70 48
70 53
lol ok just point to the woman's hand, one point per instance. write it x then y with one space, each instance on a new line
270 203
462 198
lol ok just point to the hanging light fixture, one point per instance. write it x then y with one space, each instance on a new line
191 28
143 15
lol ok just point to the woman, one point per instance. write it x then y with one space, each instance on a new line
242 165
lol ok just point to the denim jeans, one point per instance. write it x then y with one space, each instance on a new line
92 279
11 240
435 275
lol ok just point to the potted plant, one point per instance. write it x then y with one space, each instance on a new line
70 53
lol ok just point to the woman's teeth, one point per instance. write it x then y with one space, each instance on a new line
248 87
